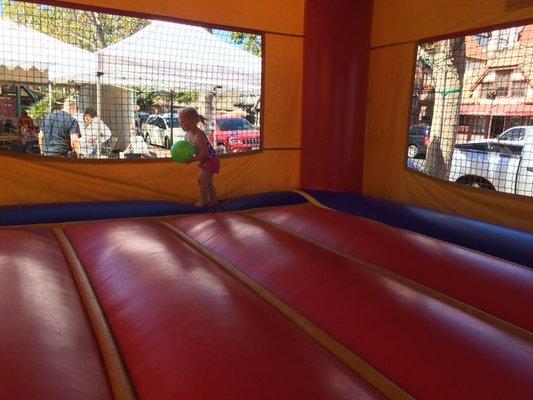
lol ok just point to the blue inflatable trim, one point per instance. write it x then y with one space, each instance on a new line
68 212
505 243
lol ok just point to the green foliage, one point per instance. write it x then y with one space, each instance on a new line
147 98
426 54
89 30
249 41
185 98
39 109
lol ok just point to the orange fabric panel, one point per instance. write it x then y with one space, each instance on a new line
385 176
410 20
34 180
278 16
283 88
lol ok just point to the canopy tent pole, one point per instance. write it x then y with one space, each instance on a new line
171 117
49 97
19 102
98 111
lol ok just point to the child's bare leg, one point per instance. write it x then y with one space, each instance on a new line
203 183
213 195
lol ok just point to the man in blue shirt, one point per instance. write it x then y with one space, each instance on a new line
60 133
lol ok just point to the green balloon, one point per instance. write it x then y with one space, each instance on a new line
181 151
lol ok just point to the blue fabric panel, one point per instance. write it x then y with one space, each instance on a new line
498 241
271 199
67 212
52 213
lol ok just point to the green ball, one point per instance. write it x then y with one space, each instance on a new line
181 151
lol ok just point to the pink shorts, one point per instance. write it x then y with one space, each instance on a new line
211 165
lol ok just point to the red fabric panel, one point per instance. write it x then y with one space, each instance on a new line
498 287
188 330
47 347
427 347
336 54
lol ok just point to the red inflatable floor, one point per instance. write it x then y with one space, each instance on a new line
293 302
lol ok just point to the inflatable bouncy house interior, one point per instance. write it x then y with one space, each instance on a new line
363 180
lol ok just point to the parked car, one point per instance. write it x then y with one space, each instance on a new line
504 164
418 140
232 134
159 128
140 121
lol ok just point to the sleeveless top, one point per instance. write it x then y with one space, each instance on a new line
193 139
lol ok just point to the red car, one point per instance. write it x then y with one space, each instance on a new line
234 134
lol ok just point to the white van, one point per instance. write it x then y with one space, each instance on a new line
504 164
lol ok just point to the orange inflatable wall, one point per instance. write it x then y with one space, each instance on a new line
379 150
397 27
36 180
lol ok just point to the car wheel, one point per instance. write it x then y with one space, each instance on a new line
167 143
480 185
476 182
221 149
412 151
147 139
32 147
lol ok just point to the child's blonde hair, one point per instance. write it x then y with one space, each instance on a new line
193 113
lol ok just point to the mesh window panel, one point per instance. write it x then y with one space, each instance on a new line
90 85
472 111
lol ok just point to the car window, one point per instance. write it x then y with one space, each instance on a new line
507 149
513 134
482 146
234 124
150 120
513 149
422 130
160 123
175 123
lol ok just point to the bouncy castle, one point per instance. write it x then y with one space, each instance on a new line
344 259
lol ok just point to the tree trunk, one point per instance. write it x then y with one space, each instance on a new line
448 73
99 30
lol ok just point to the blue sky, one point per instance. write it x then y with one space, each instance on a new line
223 35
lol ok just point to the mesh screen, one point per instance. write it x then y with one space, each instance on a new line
90 85
472 110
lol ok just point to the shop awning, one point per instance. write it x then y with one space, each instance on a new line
518 110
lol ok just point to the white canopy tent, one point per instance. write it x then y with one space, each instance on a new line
169 56
27 55
163 56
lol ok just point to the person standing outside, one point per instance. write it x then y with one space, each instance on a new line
93 131
71 106
25 122
60 133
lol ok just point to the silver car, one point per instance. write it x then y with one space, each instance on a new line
162 130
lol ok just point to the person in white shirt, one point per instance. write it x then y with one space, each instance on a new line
138 146
92 130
